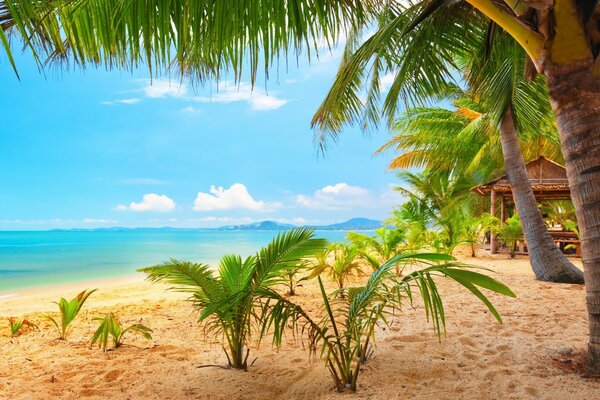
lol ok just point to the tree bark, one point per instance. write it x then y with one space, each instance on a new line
547 261
575 98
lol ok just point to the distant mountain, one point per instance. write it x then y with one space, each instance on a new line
259 226
358 224
352 224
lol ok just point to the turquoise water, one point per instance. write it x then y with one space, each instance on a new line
29 259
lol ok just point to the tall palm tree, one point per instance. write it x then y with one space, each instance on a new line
422 55
518 104
467 141
495 73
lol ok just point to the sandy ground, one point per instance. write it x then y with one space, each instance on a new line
477 359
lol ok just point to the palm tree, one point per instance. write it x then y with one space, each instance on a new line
347 330
344 267
445 202
475 229
381 246
422 57
413 217
465 141
511 231
496 78
520 105
462 139
227 302
559 212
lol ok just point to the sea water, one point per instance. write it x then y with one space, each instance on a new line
29 259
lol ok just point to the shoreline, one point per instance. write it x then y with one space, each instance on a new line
11 299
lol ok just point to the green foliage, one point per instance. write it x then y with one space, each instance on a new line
340 262
197 38
110 327
19 326
560 212
227 302
68 312
511 231
345 333
437 214
381 246
291 279
475 227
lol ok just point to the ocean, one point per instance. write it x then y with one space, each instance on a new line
39 258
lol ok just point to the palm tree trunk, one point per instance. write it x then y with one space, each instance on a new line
575 98
547 261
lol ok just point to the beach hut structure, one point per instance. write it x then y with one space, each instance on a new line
549 182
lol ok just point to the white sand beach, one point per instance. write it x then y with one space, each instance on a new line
477 359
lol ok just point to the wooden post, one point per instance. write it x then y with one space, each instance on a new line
493 240
503 209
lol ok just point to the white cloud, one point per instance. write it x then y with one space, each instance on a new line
343 196
230 93
263 102
227 92
332 197
150 202
190 110
161 88
236 197
133 100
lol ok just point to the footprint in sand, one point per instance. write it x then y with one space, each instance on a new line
113 375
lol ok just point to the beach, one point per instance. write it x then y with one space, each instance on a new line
530 356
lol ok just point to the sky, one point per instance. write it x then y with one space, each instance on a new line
98 148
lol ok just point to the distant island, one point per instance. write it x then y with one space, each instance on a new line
353 224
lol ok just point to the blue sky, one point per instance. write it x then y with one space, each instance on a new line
97 148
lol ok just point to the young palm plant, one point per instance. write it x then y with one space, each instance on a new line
344 266
18 326
475 227
292 279
511 232
346 331
68 312
227 301
110 327
381 246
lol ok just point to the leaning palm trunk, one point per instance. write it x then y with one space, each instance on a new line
547 261
575 97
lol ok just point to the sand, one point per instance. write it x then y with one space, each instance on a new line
477 359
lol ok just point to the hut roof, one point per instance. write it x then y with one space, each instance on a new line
547 179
